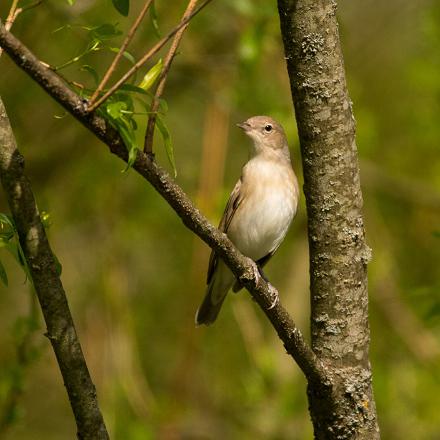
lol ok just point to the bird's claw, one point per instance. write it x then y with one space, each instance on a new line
274 296
256 272
273 293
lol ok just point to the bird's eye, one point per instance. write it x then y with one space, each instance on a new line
268 128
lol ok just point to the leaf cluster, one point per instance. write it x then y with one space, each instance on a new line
132 100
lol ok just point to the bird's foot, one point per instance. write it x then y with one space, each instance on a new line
263 275
273 293
273 296
256 271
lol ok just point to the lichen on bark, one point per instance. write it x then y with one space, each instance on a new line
338 251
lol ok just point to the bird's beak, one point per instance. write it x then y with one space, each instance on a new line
245 126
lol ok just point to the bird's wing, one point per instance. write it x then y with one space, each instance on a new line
231 207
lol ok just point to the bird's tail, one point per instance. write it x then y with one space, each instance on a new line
209 309
215 294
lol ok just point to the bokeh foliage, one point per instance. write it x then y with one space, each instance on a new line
135 275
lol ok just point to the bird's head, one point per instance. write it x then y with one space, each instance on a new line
266 134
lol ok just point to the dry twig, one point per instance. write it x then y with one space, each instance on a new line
145 58
118 56
12 15
149 134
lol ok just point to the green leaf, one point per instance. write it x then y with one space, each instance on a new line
5 219
12 245
5 237
71 2
61 28
105 31
3 275
122 6
163 105
21 257
93 46
126 54
153 17
23 262
124 97
114 109
167 142
132 88
129 57
151 75
129 137
132 154
92 71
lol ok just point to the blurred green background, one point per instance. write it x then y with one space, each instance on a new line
135 275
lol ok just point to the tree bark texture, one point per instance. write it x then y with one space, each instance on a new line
338 252
60 327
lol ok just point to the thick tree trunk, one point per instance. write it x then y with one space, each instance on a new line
338 252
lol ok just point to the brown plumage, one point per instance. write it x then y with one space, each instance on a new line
259 210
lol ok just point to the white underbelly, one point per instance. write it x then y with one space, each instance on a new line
261 223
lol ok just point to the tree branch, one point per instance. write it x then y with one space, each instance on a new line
149 134
118 56
242 267
153 51
60 327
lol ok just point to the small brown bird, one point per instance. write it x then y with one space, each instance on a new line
259 210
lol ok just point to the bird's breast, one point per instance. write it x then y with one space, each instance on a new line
270 195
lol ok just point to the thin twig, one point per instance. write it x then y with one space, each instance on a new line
241 266
12 15
118 56
149 134
146 57
14 12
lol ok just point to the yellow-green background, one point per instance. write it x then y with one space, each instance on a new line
134 275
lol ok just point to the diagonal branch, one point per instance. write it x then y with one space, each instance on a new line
153 51
60 327
242 267
149 134
118 56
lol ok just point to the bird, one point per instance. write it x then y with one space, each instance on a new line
258 213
